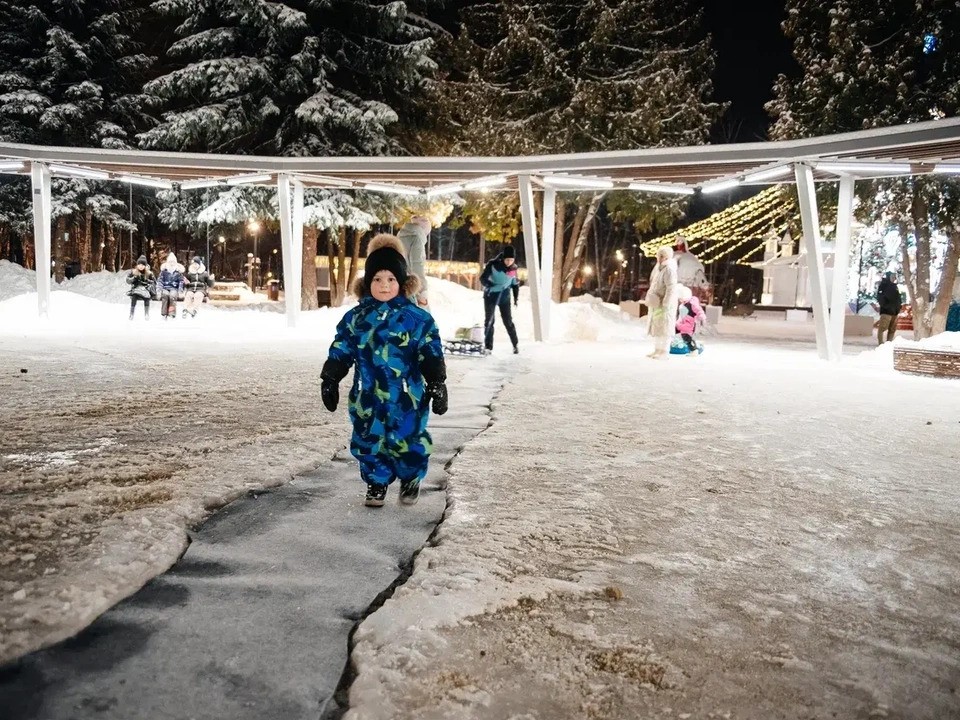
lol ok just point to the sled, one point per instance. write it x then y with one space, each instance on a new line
467 341
465 348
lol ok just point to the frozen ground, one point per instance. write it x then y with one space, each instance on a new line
748 534
751 533
118 436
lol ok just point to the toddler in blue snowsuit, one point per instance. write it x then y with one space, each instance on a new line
399 368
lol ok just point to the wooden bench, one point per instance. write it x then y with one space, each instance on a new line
917 361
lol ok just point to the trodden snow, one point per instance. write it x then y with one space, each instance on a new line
749 533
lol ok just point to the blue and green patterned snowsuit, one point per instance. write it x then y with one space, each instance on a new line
388 343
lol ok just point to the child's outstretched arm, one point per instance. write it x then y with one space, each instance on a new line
434 368
339 360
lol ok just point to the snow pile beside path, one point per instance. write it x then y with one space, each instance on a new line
589 318
943 341
882 356
106 286
582 318
15 280
97 302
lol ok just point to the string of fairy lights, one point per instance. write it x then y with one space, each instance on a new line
725 232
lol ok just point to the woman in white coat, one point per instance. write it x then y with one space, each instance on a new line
662 302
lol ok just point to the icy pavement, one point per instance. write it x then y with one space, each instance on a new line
253 622
751 533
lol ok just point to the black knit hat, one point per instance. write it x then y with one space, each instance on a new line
509 252
385 258
142 260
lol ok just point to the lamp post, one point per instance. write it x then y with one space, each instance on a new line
223 253
254 227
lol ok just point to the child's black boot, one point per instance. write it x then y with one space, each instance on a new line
376 494
409 492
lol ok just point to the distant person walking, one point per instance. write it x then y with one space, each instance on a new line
414 236
499 280
197 283
170 283
662 301
889 304
142 286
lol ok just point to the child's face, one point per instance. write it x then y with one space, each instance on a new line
384 286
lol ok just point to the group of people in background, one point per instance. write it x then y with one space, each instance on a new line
173 284
673 308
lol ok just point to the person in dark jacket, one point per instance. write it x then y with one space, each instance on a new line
171 285
398 370
499 281
142 286
196 284
889 304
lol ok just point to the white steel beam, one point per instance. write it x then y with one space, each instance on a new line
841 267
806 193
291 236
533 256
42 210
548 235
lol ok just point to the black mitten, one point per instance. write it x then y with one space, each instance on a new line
332 373
330 394
437 391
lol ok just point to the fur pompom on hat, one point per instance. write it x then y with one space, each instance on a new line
509 252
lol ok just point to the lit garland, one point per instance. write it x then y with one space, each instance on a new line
726 231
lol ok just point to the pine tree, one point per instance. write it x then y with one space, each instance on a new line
315 77
553 76
302 77
866 65
70 74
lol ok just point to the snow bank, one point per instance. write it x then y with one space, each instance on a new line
15 280
97 303
106 286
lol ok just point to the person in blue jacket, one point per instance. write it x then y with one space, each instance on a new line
170 285
499 280
395 350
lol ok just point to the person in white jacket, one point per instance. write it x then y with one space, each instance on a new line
662 302
414 235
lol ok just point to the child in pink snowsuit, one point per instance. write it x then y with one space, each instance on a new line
690 315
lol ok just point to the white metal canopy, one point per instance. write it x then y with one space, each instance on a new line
914 149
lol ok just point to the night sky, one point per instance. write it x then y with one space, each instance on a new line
751 51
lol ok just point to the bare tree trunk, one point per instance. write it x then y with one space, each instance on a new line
84 237
948 276
558 242
335 291
578 241
342 266
29 251
921 308
354 259
566 251
111 248
308 290
58 259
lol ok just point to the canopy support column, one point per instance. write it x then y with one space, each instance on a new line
42 210
841 267
548 233
806 193
532 252
291 237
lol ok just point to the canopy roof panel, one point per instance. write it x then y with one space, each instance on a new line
920 145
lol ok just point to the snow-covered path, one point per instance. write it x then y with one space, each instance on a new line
748 534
